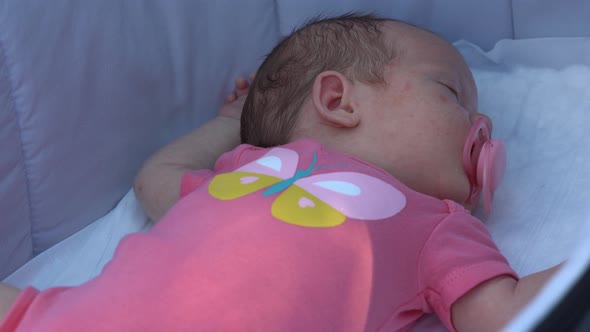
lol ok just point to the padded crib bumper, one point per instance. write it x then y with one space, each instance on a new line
88 90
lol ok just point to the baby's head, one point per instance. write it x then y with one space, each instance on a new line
380 90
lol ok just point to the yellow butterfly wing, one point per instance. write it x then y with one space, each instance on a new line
232 185
298 207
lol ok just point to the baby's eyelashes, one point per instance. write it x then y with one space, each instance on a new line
452 89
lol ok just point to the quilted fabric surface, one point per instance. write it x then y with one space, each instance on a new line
89 89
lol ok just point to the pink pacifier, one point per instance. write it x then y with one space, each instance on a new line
484 160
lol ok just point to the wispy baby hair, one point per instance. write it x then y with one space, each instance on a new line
351 44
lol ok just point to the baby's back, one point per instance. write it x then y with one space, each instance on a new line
231 256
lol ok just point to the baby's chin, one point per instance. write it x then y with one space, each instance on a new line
469 207
462 197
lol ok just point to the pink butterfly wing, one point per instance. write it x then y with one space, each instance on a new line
356 195
279 162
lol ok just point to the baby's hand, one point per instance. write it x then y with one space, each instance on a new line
234 102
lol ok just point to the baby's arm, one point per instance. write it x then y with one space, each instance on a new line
492 304
157 185
8 295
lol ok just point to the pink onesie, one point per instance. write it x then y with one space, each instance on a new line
291 238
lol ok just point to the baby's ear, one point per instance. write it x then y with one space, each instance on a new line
332 99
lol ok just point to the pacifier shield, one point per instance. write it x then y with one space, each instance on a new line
491 168
484 162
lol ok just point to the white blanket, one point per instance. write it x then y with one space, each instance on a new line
538 94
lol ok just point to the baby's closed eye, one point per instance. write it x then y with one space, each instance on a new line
450 87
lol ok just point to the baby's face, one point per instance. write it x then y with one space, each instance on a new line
416 125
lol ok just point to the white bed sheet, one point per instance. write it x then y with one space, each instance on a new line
538 94
82 256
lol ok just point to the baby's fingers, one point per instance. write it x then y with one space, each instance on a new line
242 86
231 97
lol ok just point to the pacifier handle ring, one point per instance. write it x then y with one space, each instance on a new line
491 169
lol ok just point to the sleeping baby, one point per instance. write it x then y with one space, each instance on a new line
346 208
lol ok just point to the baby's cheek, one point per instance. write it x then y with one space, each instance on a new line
407 87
